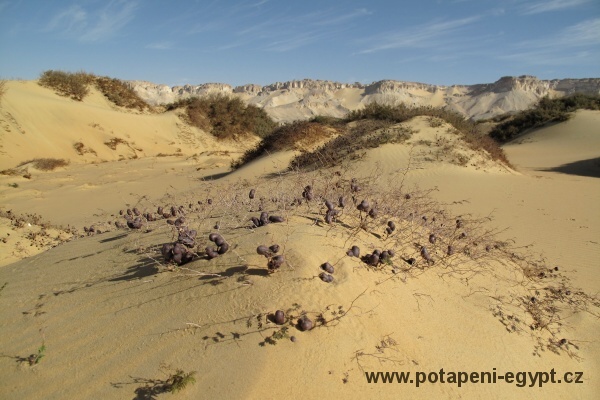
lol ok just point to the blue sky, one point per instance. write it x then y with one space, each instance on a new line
264 41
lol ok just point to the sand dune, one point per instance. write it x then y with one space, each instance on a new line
38 123
116 320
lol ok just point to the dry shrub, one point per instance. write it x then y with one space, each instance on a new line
545 111
358 136
81 149
120 93
46 164
114 142
76 86
3 88
73 85
468 129
292 136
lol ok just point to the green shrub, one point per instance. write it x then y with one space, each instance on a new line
227 117
545 111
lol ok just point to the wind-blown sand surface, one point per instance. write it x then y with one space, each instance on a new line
116 321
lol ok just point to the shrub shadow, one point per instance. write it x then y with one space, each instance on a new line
589 167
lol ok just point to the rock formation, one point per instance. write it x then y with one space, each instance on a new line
303 99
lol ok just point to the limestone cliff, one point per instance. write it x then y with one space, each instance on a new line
302 99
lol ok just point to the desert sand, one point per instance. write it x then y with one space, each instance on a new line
116 320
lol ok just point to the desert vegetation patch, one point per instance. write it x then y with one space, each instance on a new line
76 86
545 111
225 117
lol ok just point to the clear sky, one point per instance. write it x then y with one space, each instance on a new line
264 41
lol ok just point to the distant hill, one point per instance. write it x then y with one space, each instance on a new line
303 99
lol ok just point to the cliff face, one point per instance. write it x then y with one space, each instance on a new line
302 99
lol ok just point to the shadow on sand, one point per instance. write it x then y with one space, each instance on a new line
589 167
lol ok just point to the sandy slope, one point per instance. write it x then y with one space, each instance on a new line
35 122
111 316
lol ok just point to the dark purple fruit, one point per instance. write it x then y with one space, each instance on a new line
219 241
263 251
276 262
450 250
255 222
342 202
274 248
328 218
327 267
373 213
356 251
264 218
179 221
211 253
363 206
276 218
223 248
326 277
305 324
329 205
425 253
166 251
432 238
391 225
213 236
135 224
373 260
279 317
252 193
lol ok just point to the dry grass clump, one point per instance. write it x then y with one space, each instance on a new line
46 164
296 135
226 117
